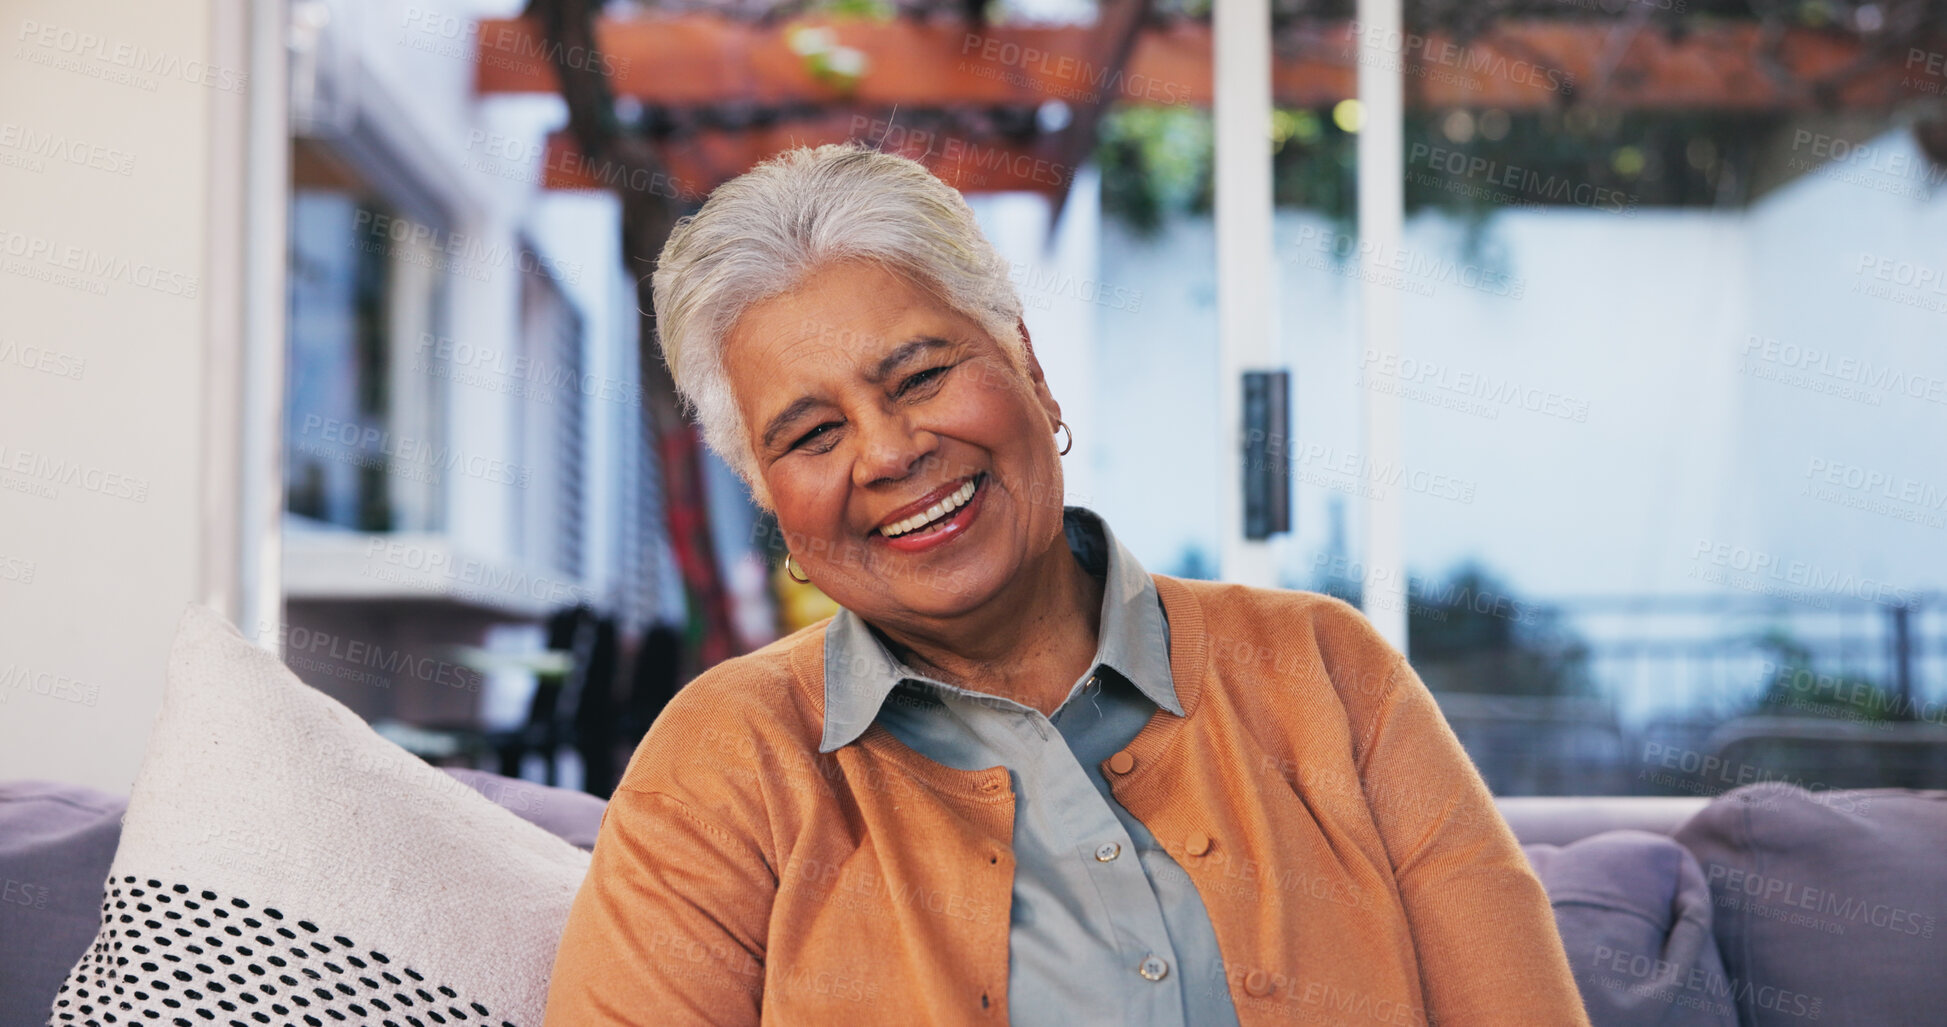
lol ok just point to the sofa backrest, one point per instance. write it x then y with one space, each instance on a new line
1552 820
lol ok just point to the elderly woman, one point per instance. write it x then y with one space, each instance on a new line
1017 778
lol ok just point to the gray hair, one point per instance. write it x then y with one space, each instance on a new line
762 232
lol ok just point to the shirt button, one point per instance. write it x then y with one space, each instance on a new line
1107 851
1122 762
1257 983
1153 968
1198 844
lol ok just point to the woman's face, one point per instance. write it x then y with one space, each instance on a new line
868 400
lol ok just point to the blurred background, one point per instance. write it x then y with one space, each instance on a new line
1596 348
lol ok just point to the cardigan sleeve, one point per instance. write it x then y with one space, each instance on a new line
1482 926
669 926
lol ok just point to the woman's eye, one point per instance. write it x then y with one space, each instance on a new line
931 374
814 434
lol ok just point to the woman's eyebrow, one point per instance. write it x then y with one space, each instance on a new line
905 353
782 422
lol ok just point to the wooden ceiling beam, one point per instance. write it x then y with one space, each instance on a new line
698 60
703 160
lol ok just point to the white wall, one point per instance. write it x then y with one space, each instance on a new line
112 273
1055 269
1635 329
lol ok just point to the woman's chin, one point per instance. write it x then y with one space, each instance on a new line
933 590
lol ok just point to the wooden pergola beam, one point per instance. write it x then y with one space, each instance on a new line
699 60
708 158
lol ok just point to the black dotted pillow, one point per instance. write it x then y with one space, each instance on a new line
403 897
183 956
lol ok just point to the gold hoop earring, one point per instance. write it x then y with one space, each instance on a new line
1062 426
788 570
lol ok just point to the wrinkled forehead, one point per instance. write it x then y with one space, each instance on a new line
845 323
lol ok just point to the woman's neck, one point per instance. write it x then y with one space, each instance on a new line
1028 643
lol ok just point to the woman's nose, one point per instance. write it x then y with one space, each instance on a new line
892 449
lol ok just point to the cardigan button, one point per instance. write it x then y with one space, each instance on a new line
1122 762
1198 844
1257 983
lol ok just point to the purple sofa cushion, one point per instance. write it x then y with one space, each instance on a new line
575 817
57 841
1829 905
1634 913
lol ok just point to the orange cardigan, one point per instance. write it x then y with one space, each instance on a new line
1350 856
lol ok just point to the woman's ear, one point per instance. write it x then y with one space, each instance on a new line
1032 365
1036 379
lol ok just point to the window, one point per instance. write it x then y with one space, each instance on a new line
365 425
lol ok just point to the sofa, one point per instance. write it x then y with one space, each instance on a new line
1745 909
276 861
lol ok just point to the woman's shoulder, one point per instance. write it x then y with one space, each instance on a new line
1248 627
1276 612
730 713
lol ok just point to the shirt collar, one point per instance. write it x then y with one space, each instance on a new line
1134 639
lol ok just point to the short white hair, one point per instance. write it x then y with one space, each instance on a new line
762 232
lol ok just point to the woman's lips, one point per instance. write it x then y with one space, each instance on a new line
925 502
944 531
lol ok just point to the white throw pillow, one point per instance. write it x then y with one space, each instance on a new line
282 863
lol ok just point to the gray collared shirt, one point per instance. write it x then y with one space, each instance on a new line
1105 927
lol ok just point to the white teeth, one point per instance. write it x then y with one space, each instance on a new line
931 513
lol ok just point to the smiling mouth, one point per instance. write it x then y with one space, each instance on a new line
937 514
